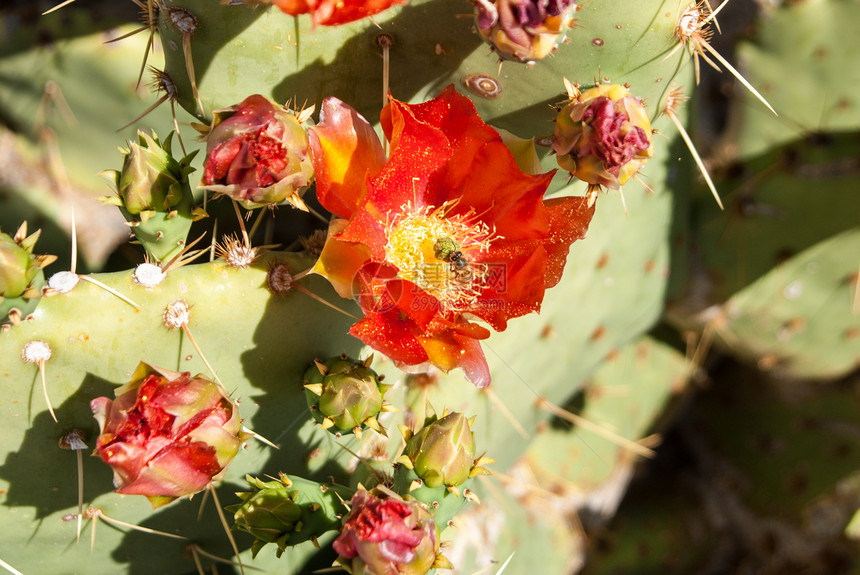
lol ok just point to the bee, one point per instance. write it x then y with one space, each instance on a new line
461 270
460 267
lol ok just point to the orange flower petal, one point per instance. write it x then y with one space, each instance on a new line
455 116
418 152
453 348
339 261
391 334
569 220
503 196
334 12
516 286
346 151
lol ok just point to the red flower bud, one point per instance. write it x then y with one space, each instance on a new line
257 154
166 434
387 535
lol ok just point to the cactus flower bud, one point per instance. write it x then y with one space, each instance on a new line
154 194
21 274
150 179
167 434
603 135
289 511
345 395
387 535
17 268
268 513
443 452
257 154
523 30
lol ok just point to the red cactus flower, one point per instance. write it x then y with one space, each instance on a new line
257 154
445 230
166 434
387 536
334 12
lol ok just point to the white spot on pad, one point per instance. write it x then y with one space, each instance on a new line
63 282
36 351
148 275
793 290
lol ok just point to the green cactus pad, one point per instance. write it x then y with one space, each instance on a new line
70 132
756 460
97 340
625 396
305 64
798 319
775 272
799 59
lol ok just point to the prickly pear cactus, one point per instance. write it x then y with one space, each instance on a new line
774 277
425 233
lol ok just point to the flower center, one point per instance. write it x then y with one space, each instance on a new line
435 251
617 141
270 156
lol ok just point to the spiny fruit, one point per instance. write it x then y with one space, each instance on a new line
345 396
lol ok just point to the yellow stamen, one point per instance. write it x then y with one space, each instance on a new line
412 247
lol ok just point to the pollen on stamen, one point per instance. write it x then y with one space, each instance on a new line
413 235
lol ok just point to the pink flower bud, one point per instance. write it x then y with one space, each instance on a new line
603 136
257 154
166 434
523 30
387 535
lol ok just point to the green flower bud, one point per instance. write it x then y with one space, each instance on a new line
21 274
151 180
289 511
345 395
154 194
443 452
269 513
17 268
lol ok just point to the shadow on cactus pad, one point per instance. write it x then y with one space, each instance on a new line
276 365
417 55
41 474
